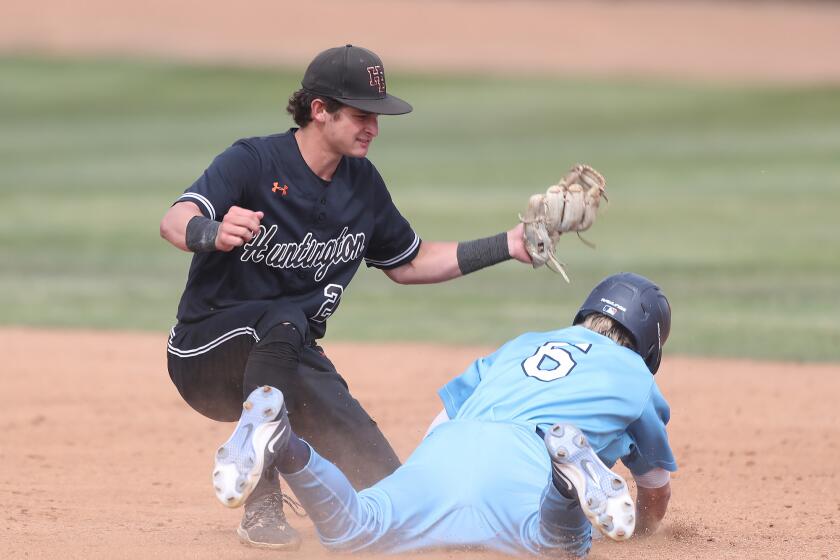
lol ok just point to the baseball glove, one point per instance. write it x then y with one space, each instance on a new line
570 205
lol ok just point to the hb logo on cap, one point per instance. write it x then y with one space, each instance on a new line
355 77
377 78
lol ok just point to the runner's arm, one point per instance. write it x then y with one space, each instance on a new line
651 505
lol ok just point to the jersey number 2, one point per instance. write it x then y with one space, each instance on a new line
332 293
553 360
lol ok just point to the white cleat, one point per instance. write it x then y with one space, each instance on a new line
604 496
263 431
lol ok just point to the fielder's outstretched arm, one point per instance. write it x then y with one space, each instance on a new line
438 261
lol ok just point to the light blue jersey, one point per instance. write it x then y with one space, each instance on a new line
573 376
483 479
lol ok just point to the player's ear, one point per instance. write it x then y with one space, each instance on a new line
318 110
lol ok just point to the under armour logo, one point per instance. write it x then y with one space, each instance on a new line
377 78
284 190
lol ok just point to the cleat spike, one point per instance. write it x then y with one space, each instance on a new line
247 405
266 389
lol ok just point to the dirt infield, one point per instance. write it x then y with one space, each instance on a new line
740 40
100 458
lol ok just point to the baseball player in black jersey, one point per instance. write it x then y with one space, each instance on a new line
278 226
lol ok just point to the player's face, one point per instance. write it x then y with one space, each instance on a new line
350 131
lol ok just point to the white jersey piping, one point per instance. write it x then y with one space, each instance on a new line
210 345
203 200
399 257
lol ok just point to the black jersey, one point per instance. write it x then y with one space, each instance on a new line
312 238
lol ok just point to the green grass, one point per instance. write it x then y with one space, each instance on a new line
727 196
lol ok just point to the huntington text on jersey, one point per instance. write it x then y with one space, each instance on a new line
308 253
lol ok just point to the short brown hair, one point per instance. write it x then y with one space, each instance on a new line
606 326
300 106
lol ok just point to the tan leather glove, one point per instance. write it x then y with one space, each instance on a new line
570 205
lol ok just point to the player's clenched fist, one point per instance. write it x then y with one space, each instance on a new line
238 227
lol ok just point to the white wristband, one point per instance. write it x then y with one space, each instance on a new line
657 477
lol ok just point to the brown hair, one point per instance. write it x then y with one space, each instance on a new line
606 326
300 106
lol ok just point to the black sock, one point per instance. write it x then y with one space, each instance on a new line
295 457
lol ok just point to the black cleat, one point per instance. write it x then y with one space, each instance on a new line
264 524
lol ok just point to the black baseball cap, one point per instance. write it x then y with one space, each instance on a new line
354 76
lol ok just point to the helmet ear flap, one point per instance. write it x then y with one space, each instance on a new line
655 351
653 358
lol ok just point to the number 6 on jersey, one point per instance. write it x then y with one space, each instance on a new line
553 360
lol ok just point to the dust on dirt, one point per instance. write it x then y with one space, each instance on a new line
100 457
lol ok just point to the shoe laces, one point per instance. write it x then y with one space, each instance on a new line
268 509
294 505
